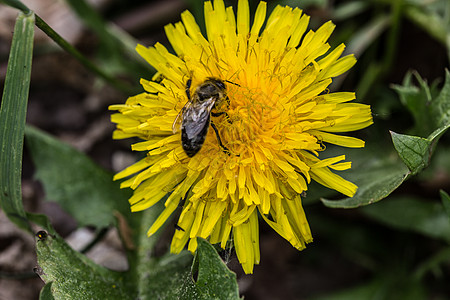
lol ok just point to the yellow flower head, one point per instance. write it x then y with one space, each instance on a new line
264 89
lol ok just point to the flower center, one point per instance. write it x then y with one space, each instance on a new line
252 118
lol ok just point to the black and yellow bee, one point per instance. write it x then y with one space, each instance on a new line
195 117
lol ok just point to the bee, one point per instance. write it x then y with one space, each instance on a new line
195 117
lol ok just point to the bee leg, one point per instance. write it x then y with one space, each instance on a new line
188 89
222 113
224 149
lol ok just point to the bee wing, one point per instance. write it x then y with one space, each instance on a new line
196 117
176 125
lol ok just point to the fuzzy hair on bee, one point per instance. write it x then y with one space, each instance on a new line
194 118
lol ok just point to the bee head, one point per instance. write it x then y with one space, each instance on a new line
213 87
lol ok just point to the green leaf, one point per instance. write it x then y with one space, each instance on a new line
73 276
69 177
88 192
12 119
171 278
16 4
168 277
41 220
374 184
425 217
46 292
377 173
415 151
215 280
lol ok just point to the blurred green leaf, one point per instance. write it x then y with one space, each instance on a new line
74 276
430 109
118 54
446 202
425 217
434 264
304 3
386 287
41 220
12 119
358 42
441 106
69 177
364 291
349 9
367 35
369 78
431 21
41 24
16 4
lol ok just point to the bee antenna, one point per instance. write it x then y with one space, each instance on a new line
232 82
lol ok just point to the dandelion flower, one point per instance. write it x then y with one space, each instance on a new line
279 115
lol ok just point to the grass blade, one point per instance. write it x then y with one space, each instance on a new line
12 119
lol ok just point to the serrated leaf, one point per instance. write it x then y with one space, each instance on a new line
413 150
429 109
82 188
12 119
441 106
425 217
73 276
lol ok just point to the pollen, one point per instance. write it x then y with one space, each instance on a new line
278 116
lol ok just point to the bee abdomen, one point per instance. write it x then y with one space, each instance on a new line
192 144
